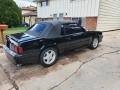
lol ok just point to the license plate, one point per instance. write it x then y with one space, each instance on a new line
10 51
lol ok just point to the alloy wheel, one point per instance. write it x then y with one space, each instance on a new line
49 57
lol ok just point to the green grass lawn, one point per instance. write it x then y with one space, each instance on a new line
14 30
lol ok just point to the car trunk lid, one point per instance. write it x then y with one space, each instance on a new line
13 41
19 37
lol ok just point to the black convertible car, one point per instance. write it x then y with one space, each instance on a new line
44 41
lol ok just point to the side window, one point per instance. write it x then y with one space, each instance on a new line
66 30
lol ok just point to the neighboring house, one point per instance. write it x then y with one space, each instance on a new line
95 14
29 10
29 15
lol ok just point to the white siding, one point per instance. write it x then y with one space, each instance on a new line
76 8
109 15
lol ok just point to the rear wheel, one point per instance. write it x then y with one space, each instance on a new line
48 57
94 44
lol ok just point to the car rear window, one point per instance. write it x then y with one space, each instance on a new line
38 27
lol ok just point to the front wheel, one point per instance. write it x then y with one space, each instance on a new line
94 44
48 57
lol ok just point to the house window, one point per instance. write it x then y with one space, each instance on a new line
44 3
55 16
61 16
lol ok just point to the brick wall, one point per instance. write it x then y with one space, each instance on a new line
91 23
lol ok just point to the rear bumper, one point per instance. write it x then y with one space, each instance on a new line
14 57
21 59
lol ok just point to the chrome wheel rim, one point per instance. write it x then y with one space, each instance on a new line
95 42
49 57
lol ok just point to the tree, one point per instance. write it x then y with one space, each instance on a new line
10 13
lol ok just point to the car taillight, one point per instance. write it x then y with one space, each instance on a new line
20 50
17 49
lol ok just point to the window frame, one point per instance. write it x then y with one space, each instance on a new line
44 5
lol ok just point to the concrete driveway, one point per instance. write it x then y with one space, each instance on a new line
82 69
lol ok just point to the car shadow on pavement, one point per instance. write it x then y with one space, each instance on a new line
34 70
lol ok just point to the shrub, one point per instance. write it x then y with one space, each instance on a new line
10 13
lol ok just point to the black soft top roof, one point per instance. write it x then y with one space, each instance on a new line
58 22
53 29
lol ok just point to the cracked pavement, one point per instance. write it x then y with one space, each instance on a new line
82 69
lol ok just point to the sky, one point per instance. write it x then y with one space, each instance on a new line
24 3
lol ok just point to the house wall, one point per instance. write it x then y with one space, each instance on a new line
70 8
87 10
109 15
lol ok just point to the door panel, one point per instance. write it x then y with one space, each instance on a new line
63 42
73 37
78 40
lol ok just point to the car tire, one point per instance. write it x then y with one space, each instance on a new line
94 43
48 57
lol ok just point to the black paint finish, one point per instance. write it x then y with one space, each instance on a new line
60 35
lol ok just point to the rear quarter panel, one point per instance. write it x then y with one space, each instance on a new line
95 34
31 50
